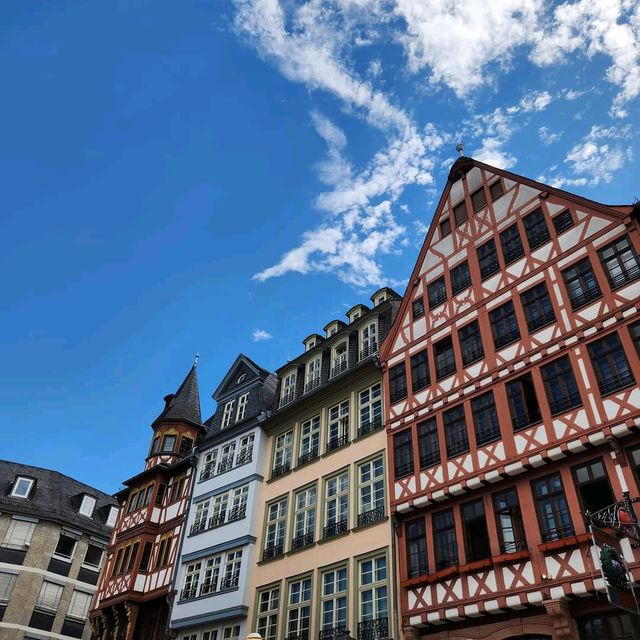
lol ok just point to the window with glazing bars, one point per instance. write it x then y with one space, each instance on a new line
552 508
562 221
336 504
536 229
485 418
488 259
504 325
370 491
610 364
428 443
370 409
397 382
276 527
309 440
420 377
299 609
418 308
445 546
509 521
416 540
523 402
444 357
511 243
474 526
460 277
268 608
537 306
634 331
333 603
455 431
471 343
620 262
581 284
338 426
304 519
560 385
445 227
460 214
496 189
373 620
437 293
403 453
478 199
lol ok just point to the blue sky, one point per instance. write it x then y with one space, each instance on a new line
227 177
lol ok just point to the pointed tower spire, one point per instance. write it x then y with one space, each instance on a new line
184 404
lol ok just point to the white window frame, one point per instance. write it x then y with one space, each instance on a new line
239 497
211 572
89 565
289 385
334 599
313 373
378 587
209 465
338 422
268 610
219 509
113 516
231 632
371 483
231 571
299 607
7 583
22 482
227 454
304 517
339 360
370 404
242 406
336 499
201 516
227 413
191 580
369 339
283 449
276 525
245 450
87 506
309 437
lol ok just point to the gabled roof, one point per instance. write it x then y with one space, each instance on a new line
242 364
184 404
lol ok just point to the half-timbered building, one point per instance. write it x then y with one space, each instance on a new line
135 591
513 409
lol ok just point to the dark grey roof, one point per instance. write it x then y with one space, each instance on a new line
55 497
184 404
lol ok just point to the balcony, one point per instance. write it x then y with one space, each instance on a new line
300 542
314 383
237 513
334 529
616 381
541 320
569 401
333 632
280 470
336 443
230 582
308 456
338 367
630 272
287 398
189 592
506 338
244 457
376 629
371 516
273 551
216 520
369 350
370 427
589 294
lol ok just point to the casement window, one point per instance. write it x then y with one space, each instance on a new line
309 440
460 214
22 487
552 508
504 325
620 262
537 306
428 443
479 199
581 284
333 602
509 521
536 229
176 490
373 609
186 446
241 412
211 575
592 483
485 418
245 450
19 534
201 516
145 558
162 489
471 343
49 597
79 605
267 615
460 278
523 402
93 557
444 358
445 545
191 580
560 385
299 609
511 243
398 382
232 566
403 453
445 227
239 499
288 389
417 308
211 634
227 413
226 457
436 293
65 547
164 551
336 505
474 526
282 454
7 582
340 359
368 340
275 529
219 509
634 331
562 221
610 364
488 259
496 189
125 559
209 465
416 539
148 492
370 409
420 376
304 518
168 444
370 491
455 431
338 426
232 632
155 446
313 374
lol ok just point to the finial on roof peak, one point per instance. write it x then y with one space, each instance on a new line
460 149
195 359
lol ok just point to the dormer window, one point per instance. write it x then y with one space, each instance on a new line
332 330
87 506
339 358
288 389
22 487
311 344
112 517
368 340
355 316
380 299
227 414
168 444
313 374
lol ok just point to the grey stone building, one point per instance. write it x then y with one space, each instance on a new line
53 533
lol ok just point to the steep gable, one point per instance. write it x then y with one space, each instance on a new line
241 373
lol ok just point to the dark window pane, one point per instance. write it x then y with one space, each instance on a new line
634 330
416 537
455 431
398 382
488 259
437 293
146 556
509 521
403 453
93 556
418 308
536 229
428 443
562 221
610 364
444 539
474 524
496 189
485 418
65 546
460 277
445 228
479 199
420 377
581 284
552 508
444 357
168 443
470 343
620 262
186 444
523 403
460 213
593 486
512 248
504 325
560 385
537 307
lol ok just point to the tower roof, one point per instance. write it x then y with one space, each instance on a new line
184 404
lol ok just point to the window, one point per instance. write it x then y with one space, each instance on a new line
336 507
593 486
227 413
512 248
232 564
436 293
610 626
211 575
79 605
65 547
288 389
420 376
536 229
338 426
416 537
620 262
496 189
299 609
398 382
403 453
444 357
471 343
146 556
164 549
19 534
523 402
562 221
126 557
200 516
478 199
219 509
581 284
445 227
474 525
552 508
313 374
239 499
22 487
304 518
537 307
87 506
276 526
113 514
176 490
209 466
242 407
460 214
460 278
7 582
155 446
370 409
340 359
93 556
368 340
428 443
488 259
504 325
455 431
445 547
245 451
309 440
231 632
380 299
268 607
332 330
370 491
333 603
186 446
509 521
485 418
610 364
560 385
418 308
634 330
373 594
168 443
226 457
282 453
49 596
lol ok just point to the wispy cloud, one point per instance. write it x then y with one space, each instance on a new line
260 335
547 136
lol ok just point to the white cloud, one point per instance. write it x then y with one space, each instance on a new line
547 136
260 334
495 130
536 101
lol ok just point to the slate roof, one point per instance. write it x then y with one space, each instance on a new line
55 497
184 404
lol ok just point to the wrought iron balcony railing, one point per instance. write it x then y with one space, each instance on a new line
300 542
541 320
208 471
188 592
457 447
369 427
333 632
588 295
616 381
216 520
207 587
229 582
308 456
198 526
280 470
429 458
487 430
288 398
373 515
524 420
558 533
334 529
473 355
225 465
369 350
506 338
376 629
301 635
314 383
273 551
244 457
513 547
565 403
489 268
336 443
631 272
237 513
338 368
